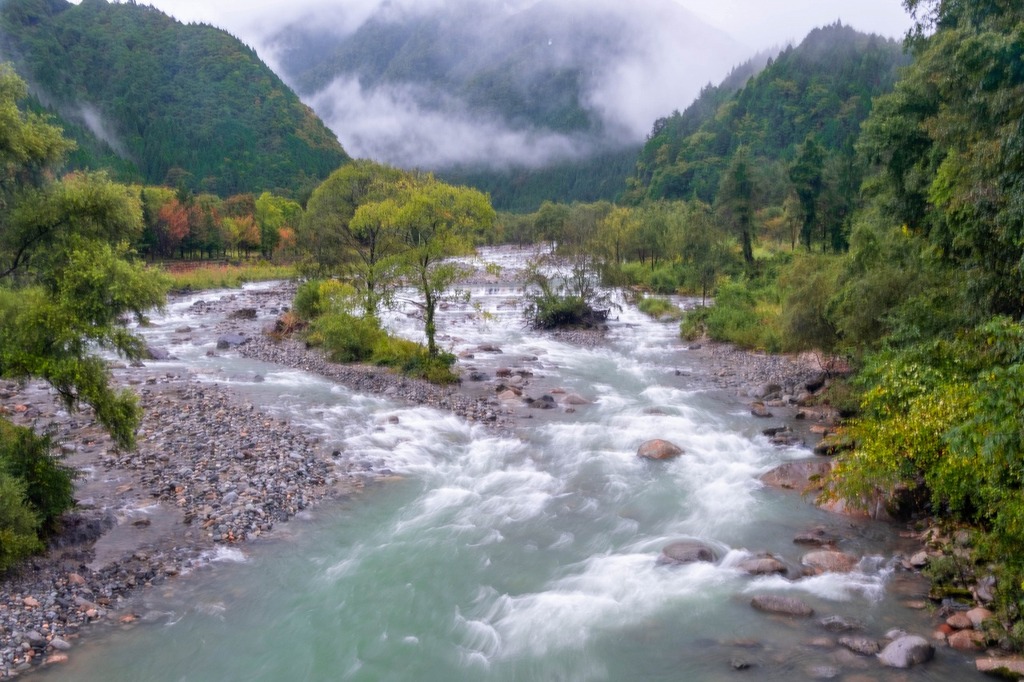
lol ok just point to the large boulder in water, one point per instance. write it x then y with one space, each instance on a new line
825 561
906 651
686 552
659 449
787 606
762 564
803 475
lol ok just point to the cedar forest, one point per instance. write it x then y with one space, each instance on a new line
854 197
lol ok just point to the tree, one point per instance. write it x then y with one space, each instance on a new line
435 221
67 278
273 215
735 202
806 176
329 246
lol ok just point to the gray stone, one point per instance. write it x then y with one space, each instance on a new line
907 651
685 552
787 606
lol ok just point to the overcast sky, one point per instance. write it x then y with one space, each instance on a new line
758 23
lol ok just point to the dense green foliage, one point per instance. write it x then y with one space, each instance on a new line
191 106
68 282
377 228
601 177
328 307
812 97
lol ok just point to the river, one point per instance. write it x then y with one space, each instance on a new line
527 556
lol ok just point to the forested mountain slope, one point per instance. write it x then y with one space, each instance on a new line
821 89
187 105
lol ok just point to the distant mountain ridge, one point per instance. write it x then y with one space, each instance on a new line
482 86
188 105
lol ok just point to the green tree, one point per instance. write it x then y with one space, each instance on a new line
325 238
66 276
736 202
274 214
806 176
436 221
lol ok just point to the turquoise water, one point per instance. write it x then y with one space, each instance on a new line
528 556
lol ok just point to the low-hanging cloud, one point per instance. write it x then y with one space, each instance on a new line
388 124
653 57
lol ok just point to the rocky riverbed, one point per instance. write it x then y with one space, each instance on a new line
212 472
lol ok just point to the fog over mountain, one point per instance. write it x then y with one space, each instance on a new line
439 83
481 82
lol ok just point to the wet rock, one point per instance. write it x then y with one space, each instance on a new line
967 640
840 624
764 564
243 314
575 399
658 449
761 411
1007 668
545 402
824 561
685 552
907 651
156 353
860 645
226 341
959 621
818 537
802 475
787 606
488 348
979 615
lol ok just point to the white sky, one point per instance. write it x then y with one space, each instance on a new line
758 23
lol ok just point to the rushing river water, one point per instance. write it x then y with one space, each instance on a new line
523 557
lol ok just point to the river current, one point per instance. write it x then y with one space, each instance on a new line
528 556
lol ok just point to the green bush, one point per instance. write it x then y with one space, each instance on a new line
346 337
18 523
49 485
659 308
412 359
665 280
318 297
740 315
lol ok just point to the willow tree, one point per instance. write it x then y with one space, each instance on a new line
67 280
436 221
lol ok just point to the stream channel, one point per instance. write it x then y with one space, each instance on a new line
528 555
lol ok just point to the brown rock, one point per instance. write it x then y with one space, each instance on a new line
860 645
825 561
30 602
967 640
761 411
658 449
979 615
575 399
75 579
764 564
959 621
1011 668
55 658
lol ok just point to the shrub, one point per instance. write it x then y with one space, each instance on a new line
49 485
659 308
412 359
346 337
665 280
18 523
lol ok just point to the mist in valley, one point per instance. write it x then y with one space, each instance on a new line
511 83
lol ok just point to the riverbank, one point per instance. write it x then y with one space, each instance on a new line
213 472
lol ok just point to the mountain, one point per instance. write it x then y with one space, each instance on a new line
482 86
182 105
821 89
